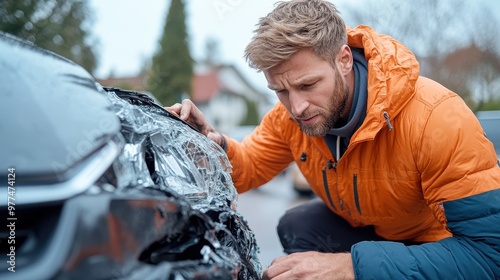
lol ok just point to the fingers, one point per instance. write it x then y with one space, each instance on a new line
189 113
311 265
184 110
277 272
187 109
279 267
281 259
216 137
174 109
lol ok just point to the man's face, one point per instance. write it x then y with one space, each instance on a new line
314 93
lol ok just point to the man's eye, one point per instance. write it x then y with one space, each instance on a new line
308 85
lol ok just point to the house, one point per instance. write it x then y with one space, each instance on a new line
221 92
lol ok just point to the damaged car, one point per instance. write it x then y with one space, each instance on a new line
103 183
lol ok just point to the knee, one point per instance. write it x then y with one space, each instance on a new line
287 232
295 232
288 223
304 217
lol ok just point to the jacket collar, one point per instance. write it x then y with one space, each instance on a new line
392 73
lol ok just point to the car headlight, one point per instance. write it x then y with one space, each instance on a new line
164 152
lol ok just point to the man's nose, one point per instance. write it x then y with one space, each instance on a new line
297 103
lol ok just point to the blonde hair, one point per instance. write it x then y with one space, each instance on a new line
295 25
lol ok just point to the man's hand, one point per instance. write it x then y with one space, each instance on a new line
311 265
189 113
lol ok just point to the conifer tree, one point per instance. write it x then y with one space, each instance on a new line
61 26
172 67
252 116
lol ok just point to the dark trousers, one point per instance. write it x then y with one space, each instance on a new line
311 226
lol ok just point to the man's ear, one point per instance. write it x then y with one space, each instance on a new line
344 60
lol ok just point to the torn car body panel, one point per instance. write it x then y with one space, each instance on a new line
110 185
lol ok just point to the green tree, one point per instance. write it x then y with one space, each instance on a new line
473 72
456 42
172 68
61 26
252 116
490 105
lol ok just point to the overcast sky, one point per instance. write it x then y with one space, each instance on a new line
129 31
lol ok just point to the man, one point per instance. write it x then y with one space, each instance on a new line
408 184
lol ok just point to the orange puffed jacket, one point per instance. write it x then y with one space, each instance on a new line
418 148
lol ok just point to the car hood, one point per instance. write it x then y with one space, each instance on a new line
57 115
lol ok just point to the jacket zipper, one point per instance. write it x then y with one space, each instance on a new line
330 165
356 197
325 184
341 202
387 120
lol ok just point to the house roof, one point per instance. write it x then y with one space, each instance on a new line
208 81
205 86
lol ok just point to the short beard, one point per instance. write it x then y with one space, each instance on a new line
332 114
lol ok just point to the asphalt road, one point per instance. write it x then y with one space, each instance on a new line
263 208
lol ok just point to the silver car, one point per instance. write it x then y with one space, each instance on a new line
490 121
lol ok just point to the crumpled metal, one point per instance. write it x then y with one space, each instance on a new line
212 241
